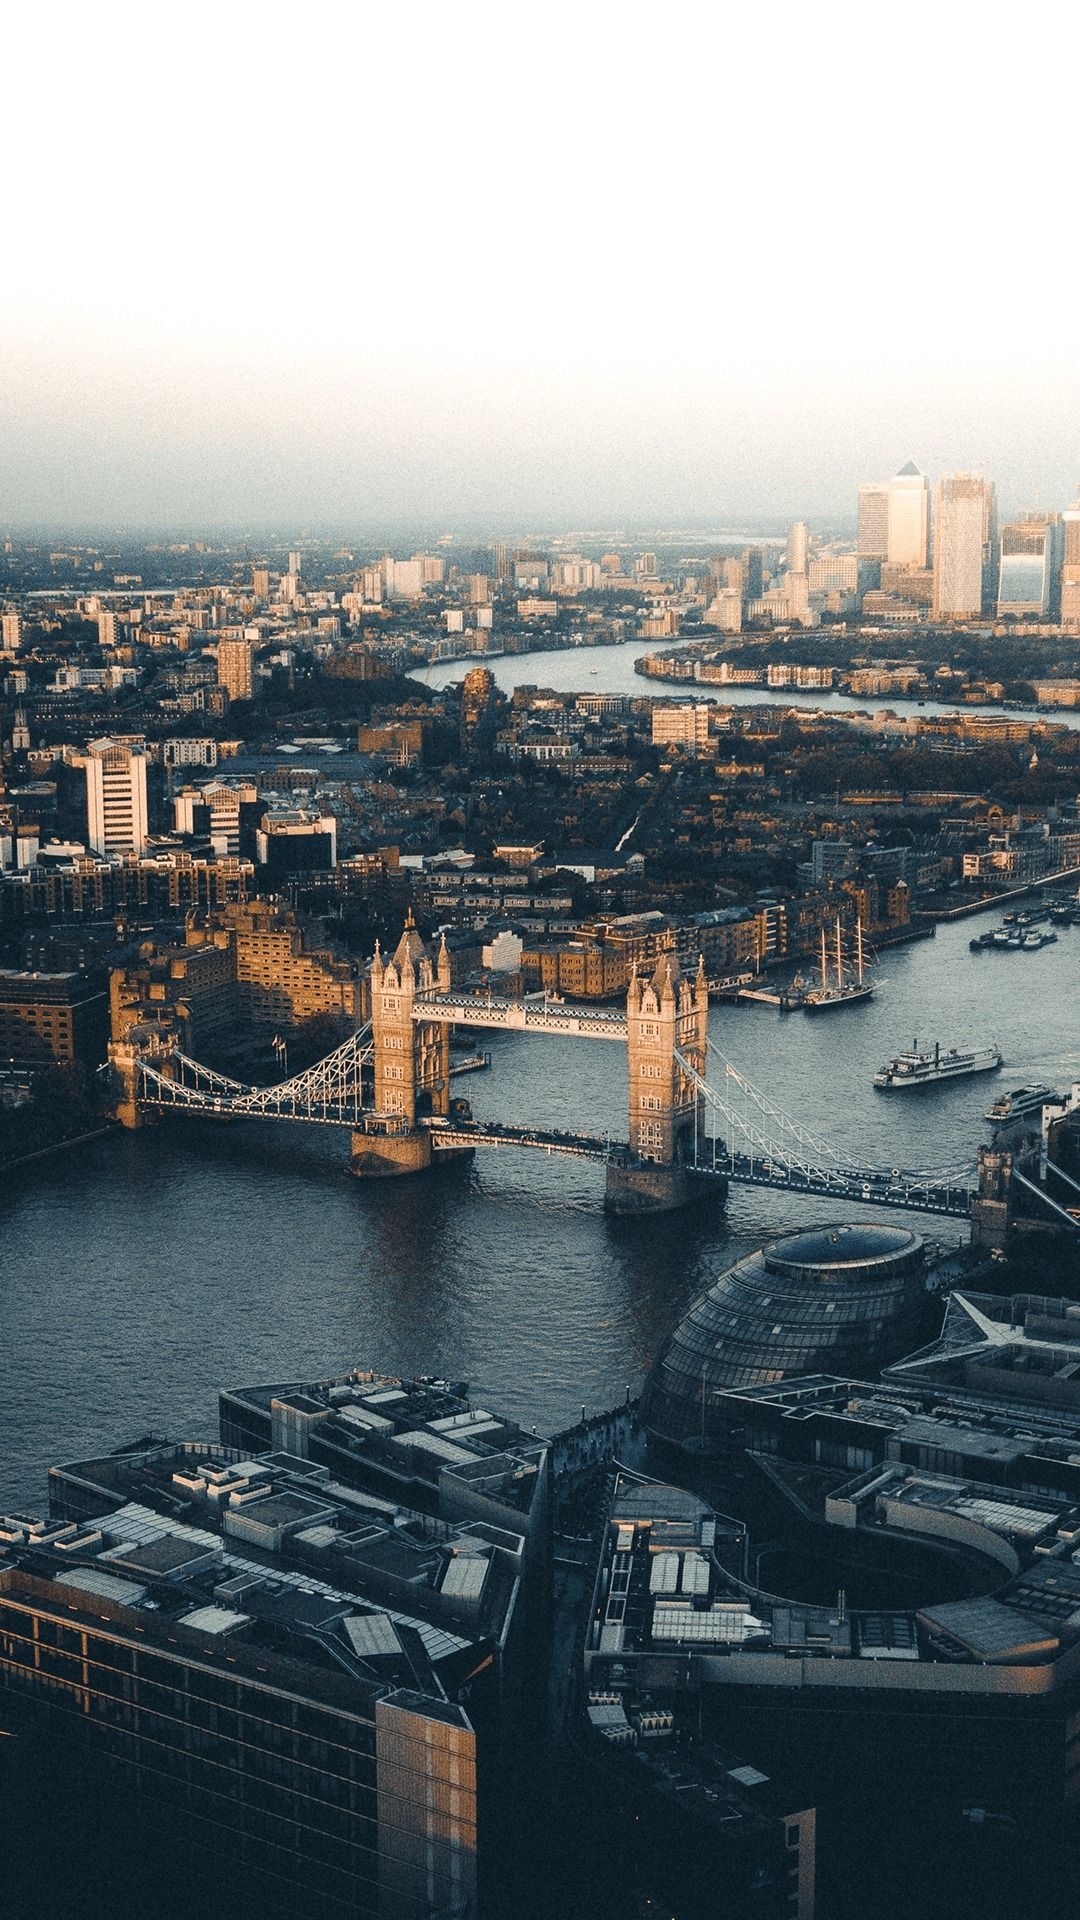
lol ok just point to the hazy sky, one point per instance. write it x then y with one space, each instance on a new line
584 264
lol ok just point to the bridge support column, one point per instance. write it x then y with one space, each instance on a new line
644 1187
382 1156
991 1209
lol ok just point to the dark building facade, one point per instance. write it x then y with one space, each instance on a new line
53 1019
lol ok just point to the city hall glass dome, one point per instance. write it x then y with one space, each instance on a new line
840 1300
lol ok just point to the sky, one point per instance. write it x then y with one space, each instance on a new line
591 265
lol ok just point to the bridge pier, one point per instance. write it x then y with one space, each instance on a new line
633 1188
383 1156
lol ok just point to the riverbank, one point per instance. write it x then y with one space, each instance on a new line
990 902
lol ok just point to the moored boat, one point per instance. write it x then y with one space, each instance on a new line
1021 1101
845 977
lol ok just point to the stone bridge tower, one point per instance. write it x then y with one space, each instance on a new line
412 1059
665 1016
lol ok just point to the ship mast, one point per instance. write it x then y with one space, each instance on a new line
839 959
858 949
824 964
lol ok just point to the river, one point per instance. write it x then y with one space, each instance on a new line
138 1273
611 670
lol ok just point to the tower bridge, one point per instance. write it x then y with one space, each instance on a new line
693 1119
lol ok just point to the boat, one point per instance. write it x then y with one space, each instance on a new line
929 1066
1034 938
1021 1101
474 1063
845 978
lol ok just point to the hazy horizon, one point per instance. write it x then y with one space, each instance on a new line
552 269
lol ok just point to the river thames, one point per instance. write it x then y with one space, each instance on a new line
141 1272
611 670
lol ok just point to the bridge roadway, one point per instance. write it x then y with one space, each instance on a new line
521 1016
446 1134
867 1187
870 1188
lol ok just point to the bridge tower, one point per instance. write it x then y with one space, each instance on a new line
665 1016
992 1205
148 1040
412 1059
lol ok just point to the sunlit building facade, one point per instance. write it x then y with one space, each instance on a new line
909 518
965 543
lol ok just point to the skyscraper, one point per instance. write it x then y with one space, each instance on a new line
798 546
1070 569
909 517
965 543
10 632
1029 565
236 668
874 521
116 814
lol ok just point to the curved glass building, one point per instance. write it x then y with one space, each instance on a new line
840 1300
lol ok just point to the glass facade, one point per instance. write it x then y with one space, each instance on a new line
840 1300
1023 583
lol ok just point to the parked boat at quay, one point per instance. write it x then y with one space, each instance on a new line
845 976
1021 936
1020 1102
929 1066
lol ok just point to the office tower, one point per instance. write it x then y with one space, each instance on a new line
220 811
1029 566
754 562
236 668
294 563
1070 568
10 633
965 543
300 840
798 547
725 610
874 521
260 583
282 1677
909 518
479 712
116 815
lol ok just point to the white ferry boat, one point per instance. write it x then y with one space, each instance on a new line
929 1066
1021 1101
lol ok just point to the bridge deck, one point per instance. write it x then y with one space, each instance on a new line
488 1133
521 1016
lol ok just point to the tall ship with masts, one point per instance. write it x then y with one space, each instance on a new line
846 972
